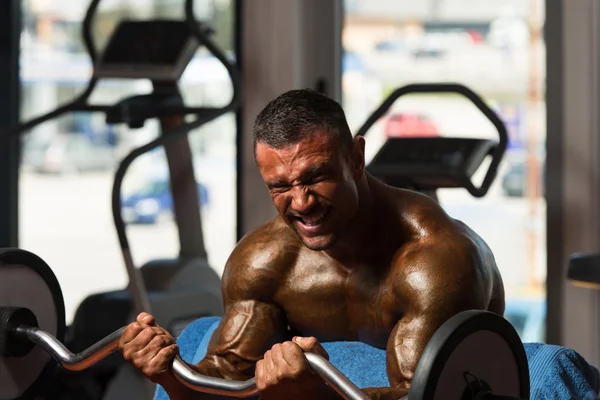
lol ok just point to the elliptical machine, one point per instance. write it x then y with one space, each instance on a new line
176 291
426 164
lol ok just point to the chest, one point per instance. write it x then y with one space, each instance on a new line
323 300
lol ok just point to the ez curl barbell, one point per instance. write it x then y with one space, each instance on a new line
22 333
455 364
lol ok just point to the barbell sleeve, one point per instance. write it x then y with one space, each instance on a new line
181 370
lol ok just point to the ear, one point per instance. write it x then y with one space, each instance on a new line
357 157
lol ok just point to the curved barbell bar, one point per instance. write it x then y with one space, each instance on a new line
181 370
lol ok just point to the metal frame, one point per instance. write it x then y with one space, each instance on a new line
553 32
573 160
239 119
203 116
10 33
285 44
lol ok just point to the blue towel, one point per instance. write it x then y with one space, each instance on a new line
555 372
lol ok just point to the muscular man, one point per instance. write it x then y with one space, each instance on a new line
347 258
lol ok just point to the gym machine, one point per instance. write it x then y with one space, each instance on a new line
176 291
430 163
474 355
584 270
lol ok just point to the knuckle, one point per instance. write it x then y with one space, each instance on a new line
279 376
127 354
160 341
282 374
297 371
136 326
290 347
287 345
131 331
267 354
168 340
170 352
145 318
156 364
148 333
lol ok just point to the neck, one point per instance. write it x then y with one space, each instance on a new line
356 238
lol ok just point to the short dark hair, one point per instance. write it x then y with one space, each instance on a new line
295 114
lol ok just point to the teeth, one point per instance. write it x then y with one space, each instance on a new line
313 220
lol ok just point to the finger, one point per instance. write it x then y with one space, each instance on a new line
311 345
144 337
278 358
265 374
269 363
146 318
154 346
281 369
294 357
270 367
259 376
130 333
161 362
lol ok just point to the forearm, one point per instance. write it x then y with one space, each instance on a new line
386 393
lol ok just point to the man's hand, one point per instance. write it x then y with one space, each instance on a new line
150 348
284 373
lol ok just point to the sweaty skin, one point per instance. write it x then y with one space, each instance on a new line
386 267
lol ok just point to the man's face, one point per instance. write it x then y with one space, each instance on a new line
313 184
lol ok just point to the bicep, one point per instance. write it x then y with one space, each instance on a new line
412 333
246 331
252 322
405 346
436 284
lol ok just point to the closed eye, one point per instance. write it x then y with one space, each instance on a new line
318 178
279 188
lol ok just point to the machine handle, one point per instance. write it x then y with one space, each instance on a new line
497 152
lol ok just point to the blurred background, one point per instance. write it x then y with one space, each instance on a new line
494 47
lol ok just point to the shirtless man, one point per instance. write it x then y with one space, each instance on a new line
347 258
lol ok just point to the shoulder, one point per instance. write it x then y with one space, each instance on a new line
435 273
444 262
426 224
414 211
260 261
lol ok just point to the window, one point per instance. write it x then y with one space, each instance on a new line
68 163
490 47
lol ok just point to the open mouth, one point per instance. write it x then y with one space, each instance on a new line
312 223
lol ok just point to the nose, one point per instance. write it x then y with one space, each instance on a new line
303 200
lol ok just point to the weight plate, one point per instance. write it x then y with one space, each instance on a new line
470 348
27 281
